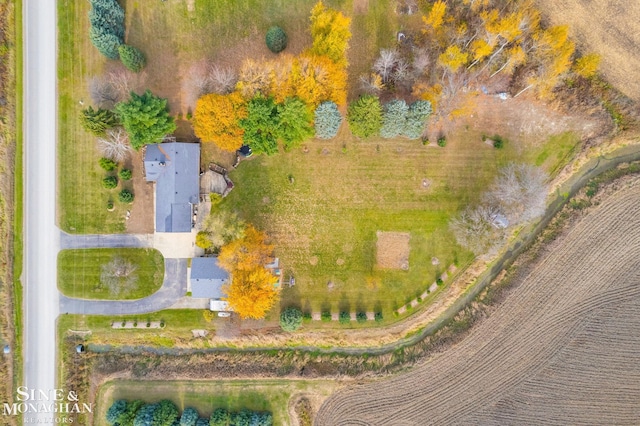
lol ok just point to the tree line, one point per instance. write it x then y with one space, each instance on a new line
165 413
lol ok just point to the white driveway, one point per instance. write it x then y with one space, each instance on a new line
41 236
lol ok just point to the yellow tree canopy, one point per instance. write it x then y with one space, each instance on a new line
251 292
453 58
587 66
246 253
216 118
436 15
330 32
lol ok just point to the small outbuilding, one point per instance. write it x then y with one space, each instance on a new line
207 278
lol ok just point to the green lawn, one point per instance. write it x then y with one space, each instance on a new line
177 329
79 272
173 38
82 200
205 396
324 224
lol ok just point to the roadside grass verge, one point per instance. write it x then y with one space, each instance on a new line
205 396
79 272
178 324
82 200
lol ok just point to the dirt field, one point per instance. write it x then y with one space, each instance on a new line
392 250
562 347
609 28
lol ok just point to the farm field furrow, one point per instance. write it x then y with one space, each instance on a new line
562 347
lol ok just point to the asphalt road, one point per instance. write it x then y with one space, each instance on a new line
41 236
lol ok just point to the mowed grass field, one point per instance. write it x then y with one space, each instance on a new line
79 272
324 224
205 396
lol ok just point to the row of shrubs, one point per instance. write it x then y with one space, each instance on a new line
111 181
291 318
165 413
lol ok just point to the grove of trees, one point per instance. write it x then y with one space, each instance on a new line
165 413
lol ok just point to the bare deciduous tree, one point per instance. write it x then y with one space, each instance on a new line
222 79
124 81
371 83
118 276
115 144
196 83
102 93
477 229
386 63
520 191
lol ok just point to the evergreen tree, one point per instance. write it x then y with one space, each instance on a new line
145 118
418 113
365 116
189 417
291 319
294 122
144 416
97 121
394 118
276 39
107 26
327 120
131 57
261 125
115 411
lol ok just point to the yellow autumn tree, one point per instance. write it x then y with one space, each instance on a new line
435 18
331 33
246 253
587 66
252 292
216 119
453 58
553 52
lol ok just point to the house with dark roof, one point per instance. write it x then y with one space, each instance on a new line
207 278
175 169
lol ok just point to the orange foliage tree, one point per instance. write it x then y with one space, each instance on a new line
251 292
216 119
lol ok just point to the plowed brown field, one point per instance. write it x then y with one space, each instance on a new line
610 28
562 348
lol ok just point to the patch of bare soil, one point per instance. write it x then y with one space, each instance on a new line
392 250
360 7
141 219
521 119
610 28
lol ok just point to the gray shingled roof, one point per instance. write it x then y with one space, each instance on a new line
175 168
207 278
